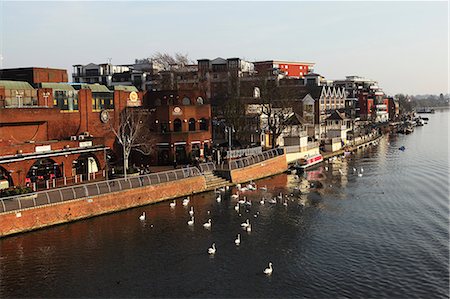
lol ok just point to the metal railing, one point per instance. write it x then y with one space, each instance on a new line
50 196
205 167
247 161
244 152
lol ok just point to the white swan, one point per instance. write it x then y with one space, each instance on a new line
261 201
360 174
207 224
273 201
142 217
269 270
236 207
191 211
235 196
249 228
191 222
186 201
212 250
285 203
354 169
238 240
248 202
280 196
362 170
242 201
222 189
219 198
245 224
173 204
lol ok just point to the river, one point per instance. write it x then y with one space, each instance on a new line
383 234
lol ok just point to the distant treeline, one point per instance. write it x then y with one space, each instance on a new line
410 102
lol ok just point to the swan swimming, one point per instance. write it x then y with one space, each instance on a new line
191 211
186 201
219 199
245 224
207 224
173 204
269 270
235 196
236 207
249 228
238 240
142 217
261 201
191 222
212 250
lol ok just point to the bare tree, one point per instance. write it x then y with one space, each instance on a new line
133 134
276 106
165 61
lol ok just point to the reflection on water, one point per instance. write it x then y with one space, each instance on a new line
371 225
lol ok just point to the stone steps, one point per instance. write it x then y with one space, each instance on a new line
213 181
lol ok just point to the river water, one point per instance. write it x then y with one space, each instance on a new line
383 234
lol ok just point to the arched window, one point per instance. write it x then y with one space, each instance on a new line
203 124
177 125
191 124
186 101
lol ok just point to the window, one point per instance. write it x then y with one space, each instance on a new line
191 124
186 101
164 128
102 100
203 124
65 100
177 125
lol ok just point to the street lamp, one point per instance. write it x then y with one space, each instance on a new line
229 130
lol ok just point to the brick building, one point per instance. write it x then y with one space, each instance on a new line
34 75
181 122
56 131
294 69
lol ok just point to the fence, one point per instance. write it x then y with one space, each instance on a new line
204 167
244 152
50 196
64 181
247 161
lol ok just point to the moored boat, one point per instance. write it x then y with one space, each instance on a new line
308 162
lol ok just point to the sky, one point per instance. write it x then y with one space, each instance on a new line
402 45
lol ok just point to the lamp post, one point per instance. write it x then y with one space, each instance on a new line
229 130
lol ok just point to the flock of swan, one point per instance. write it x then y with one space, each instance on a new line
242 201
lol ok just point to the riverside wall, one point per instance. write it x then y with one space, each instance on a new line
260 170
43 216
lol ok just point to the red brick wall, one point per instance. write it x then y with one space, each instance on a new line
35 218
264 169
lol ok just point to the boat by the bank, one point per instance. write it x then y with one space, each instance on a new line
308 162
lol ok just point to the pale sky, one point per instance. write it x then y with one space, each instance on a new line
403 45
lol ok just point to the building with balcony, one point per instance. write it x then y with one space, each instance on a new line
292 69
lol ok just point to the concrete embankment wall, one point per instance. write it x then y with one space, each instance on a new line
260 170
48 215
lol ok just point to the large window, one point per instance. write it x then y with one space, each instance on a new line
102 100
203 124
191 124
65 100
177 125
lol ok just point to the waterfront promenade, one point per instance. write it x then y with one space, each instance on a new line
60 205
